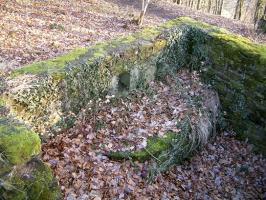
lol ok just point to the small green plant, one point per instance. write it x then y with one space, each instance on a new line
55 26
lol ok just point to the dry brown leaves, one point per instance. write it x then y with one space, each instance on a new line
38 30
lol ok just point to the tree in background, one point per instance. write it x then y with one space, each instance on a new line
260 16
144 7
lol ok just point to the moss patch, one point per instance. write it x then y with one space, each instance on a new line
33 181
50 66
155 146
17 143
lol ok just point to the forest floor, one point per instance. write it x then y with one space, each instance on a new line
40 29
225 169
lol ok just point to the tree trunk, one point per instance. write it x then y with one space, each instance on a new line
145 4
141 18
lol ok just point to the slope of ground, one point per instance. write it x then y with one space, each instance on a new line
37 30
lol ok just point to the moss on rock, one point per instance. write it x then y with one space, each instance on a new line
52 66
17 143
155 146
32 181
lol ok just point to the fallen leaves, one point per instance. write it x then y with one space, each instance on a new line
32 31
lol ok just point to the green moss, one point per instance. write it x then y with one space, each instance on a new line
5 167
155 146
55 65
97 51
207 28
236 68
17 143
238 49
33 181
127 40
2 102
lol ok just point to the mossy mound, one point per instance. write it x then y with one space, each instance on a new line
17 143
33 181
22 175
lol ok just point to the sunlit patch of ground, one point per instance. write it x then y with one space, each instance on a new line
37 30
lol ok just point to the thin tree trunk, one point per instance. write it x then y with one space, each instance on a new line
145 4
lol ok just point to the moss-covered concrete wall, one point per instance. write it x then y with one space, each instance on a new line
61 87
237 68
